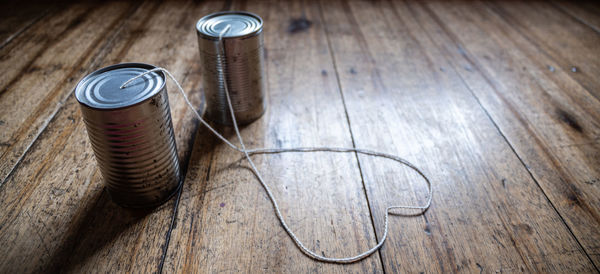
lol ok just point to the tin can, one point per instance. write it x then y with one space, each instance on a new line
241 65
131 133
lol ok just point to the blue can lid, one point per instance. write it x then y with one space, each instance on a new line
102 88
242 24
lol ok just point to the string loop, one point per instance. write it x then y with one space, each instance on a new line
248 152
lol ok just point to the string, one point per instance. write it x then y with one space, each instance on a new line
249 152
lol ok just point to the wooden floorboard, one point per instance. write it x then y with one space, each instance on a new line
497 101
35 64
225 222
59 188
585 12
18 16
483 193
563 39
575 47
539 104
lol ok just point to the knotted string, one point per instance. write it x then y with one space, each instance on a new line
248 152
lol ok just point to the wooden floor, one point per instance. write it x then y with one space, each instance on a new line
498 102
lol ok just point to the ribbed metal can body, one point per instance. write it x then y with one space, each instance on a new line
131 133
241 65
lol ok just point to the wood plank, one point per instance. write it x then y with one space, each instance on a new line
548 117
225 223
573 45
56 215
587 12
37 66
489 214
403 97
17 16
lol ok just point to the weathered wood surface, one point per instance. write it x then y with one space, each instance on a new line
497 101
55 213
18 16
585 12
519 66
484 194
226 223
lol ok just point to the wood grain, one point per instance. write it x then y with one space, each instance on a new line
36 69
573 45
585 12
17 16
56 215
225 222
547 115
488 214
497 101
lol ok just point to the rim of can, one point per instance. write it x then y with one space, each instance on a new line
80 89
203 26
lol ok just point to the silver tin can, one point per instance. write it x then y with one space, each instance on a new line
242 66
131 133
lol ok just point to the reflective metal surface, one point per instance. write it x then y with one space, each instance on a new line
242 66
131 133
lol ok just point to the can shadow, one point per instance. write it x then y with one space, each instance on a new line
228 132
95 228
99 224
206 143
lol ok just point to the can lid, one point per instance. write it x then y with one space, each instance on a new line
242 24
102 88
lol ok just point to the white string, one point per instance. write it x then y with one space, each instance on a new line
248 152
